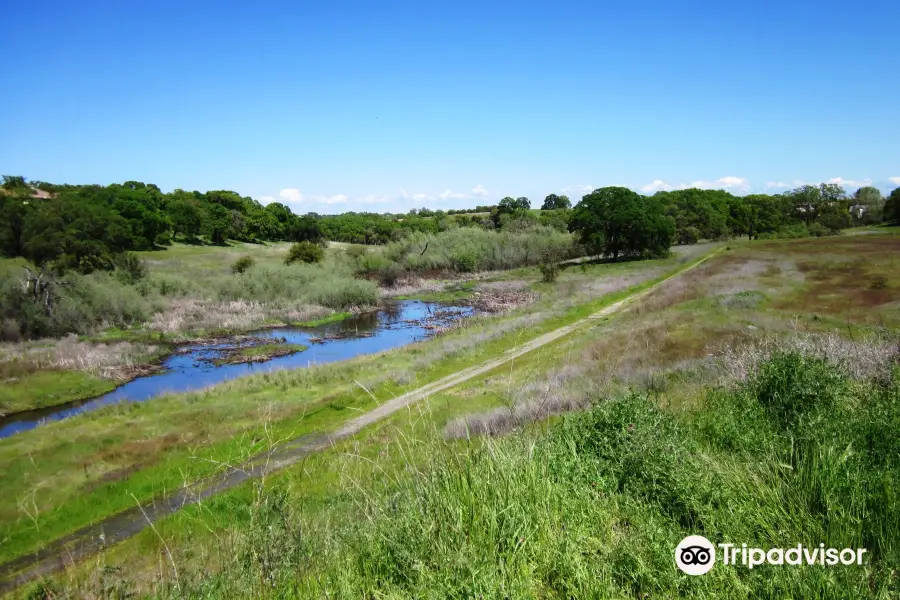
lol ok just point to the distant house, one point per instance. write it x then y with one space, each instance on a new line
36 193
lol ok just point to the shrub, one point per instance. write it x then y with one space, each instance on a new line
306 252
299 284
549 265
464 261
370 264
790 385
242 264
81 304
549 271
130 268
468 249
390 274
688 235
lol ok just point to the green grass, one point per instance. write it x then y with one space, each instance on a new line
332 318
185 437
670 326
41 389
591 505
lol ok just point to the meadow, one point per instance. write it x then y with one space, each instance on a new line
492 488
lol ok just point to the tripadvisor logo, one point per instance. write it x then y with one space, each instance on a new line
696 555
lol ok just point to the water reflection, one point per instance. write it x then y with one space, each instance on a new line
397 324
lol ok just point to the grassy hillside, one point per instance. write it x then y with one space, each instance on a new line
749 400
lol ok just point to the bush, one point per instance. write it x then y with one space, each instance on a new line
468 249
790 386
464 261
130 268
298 285
82 303
390 274
242 264
306 252
549 271
688 235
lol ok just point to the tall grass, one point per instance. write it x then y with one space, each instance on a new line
799 452
466 250
305 284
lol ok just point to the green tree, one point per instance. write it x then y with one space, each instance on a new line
14 182
140 205
616 221
869 204
552 202
185 213
71 233
217 224
14 211
305 229
891 211
510 205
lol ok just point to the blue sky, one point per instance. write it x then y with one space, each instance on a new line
334 106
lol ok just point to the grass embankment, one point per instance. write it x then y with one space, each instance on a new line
689 335
89 466
49 388
52 372
801 453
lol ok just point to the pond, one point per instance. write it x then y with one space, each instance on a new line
194 367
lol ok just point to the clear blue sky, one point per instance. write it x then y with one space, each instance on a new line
383 106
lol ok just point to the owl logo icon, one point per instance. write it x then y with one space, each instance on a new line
695 555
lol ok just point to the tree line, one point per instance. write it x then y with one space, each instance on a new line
90 227
616 221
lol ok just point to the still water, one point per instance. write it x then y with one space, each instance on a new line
191 368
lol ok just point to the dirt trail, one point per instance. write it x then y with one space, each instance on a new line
116 528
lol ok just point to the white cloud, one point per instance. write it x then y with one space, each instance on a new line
581 189
894 180
264 200
658 185
333 199
730 183
295 196
479 192
850 182
291 195
417 197
783 185
447 194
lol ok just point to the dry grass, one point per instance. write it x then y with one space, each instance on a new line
865 358
643 359
115 361
558 393
188 314
496 300
413 286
